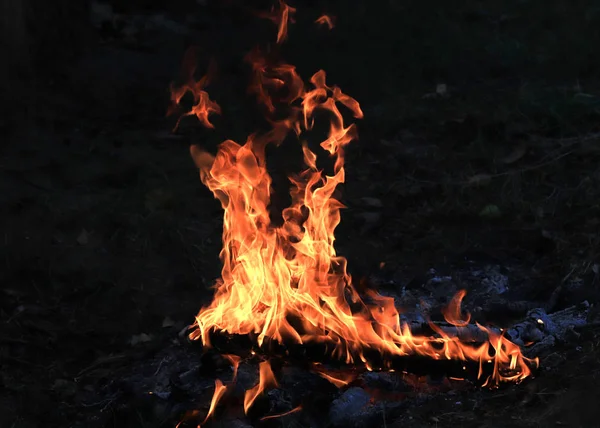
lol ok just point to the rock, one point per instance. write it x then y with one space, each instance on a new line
386 380
236 423
353 409
372 202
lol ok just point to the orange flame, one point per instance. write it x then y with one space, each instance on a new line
235 362
203 106
325 20
272 275
452 311
281 17
281 415
286 283
273 82
218 394
339 379
266 380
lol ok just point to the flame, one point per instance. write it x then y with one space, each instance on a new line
203 106
286 283
219 391
273 82
340 379
452 311
280 415
325 20
281 17
266 380
235 362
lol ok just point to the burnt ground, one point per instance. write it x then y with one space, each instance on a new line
110 242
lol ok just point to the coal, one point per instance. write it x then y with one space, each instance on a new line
356 408
353 409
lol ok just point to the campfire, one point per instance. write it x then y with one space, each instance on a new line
284 292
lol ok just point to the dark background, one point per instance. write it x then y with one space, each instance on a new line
107 232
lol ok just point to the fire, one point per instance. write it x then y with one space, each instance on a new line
235 363
339 379
280 16
273 83
219 391
325 20
203 105
280 415
452 311
286 283
266 380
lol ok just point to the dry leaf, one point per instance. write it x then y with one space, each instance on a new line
168 322
480 179
516 154
370 221
490 211
441 89
372 202
370 218
158 199
140 338
83 238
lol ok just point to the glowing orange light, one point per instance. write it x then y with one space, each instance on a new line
286 282
325 20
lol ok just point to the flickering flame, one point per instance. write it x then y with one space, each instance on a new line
281 17
273 83
219 391
286 283
340 380
235 363
452 311
325 20
266 380
281 415
203 105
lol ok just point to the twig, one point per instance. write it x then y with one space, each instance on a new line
106 402
160 366
100 362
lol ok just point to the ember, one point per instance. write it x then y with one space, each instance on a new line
285 284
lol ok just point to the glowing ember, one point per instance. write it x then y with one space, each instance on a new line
286 283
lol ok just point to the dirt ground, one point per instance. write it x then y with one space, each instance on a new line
480 139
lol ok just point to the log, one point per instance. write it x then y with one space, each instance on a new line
540 331
305 355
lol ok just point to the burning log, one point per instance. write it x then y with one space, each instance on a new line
284 292
308 354
539 331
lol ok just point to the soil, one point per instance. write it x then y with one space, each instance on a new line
480 141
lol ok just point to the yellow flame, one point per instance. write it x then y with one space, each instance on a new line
286 283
